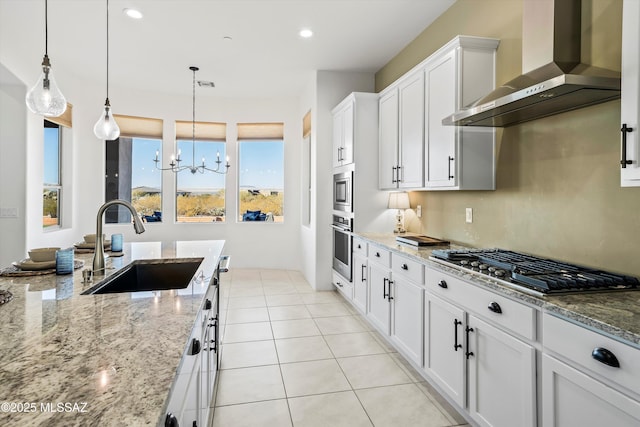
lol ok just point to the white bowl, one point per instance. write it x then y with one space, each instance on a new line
43 254
91 238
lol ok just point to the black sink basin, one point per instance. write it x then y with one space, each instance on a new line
149 275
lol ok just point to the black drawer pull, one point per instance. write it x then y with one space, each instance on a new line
195 347
404 267
456 346
603 355
378 254
468 353
443 284
624 162
359 247
495 307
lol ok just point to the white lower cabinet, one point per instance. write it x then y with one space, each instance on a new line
406 317
379 310
343 285
502 372
360 282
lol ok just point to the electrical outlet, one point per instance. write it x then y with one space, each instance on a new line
419 211
469 215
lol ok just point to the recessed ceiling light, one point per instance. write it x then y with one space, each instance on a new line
132 13
306 33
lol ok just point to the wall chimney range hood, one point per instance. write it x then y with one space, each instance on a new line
555 80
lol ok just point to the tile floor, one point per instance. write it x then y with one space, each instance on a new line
295 357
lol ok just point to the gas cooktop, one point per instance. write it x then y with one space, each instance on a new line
534 275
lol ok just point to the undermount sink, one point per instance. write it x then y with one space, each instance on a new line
149 275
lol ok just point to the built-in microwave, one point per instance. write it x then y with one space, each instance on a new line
343 191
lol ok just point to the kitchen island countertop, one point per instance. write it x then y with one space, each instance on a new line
68 359
615 313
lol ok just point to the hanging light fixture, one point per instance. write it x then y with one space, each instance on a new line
106 127
174 165
45 97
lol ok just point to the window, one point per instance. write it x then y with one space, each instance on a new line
131 174
52 179
200 196
261 172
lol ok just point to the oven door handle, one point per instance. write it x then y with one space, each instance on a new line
343 229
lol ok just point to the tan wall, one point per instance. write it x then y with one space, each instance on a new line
558 181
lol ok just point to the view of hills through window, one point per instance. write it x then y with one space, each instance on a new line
261 177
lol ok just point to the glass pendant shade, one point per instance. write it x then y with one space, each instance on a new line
44 97
106 127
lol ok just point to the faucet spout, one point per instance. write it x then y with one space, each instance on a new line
98 255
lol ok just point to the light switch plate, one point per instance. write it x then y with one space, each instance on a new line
469 215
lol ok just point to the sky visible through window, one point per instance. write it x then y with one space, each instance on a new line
262 165
51 156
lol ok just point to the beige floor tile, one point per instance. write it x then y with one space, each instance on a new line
328 310
270 413
249 291
372 371
407 367
400 406
280 289
302 349
383 342
247 315
247 302
286 299
322 297
294 328
319 376
241 332
245 354
289 312
358 344
334 409
246 385
304 289
339 325
445 407
279 275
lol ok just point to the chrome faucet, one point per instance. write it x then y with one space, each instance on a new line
98 256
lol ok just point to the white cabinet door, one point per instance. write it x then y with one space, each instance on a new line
348 119
388 141
444 358
440 141
338 125
379 307
406 318
630 103
502 372
411 137
572 398
360 282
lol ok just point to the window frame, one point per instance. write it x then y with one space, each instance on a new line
57 188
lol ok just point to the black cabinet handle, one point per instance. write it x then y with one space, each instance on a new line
443 284
468 353
214 341
363 271
389 297
405 267
359 247
384 288
456 322
625 130
605 356
495 307
378 254
449 172
195 347
171 421
339 284
207 304
393 174
400 177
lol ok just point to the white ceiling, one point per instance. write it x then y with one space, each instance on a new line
265 57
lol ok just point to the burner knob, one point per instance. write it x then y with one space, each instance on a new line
474 263
464 262
499 273
483 266
492 269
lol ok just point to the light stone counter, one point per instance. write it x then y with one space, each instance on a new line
616 314
104 360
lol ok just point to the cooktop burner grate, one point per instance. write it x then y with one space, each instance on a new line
538 274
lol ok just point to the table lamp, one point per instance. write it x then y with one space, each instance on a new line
399 201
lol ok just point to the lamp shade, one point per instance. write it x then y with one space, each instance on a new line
399 201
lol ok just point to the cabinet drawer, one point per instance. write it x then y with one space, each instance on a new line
344 286
380 256
509 314
577 343
359 247
408 268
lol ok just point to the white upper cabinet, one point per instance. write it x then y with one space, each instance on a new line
343 118
416 150
630 103
459 158
401 139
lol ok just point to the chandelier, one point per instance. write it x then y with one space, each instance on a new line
175 164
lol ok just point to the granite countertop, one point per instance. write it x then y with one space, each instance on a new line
616 313
74 360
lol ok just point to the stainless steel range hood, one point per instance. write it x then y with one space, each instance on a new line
554 81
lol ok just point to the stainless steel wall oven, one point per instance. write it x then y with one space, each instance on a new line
342 226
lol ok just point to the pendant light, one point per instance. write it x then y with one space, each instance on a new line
44 97
106 127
